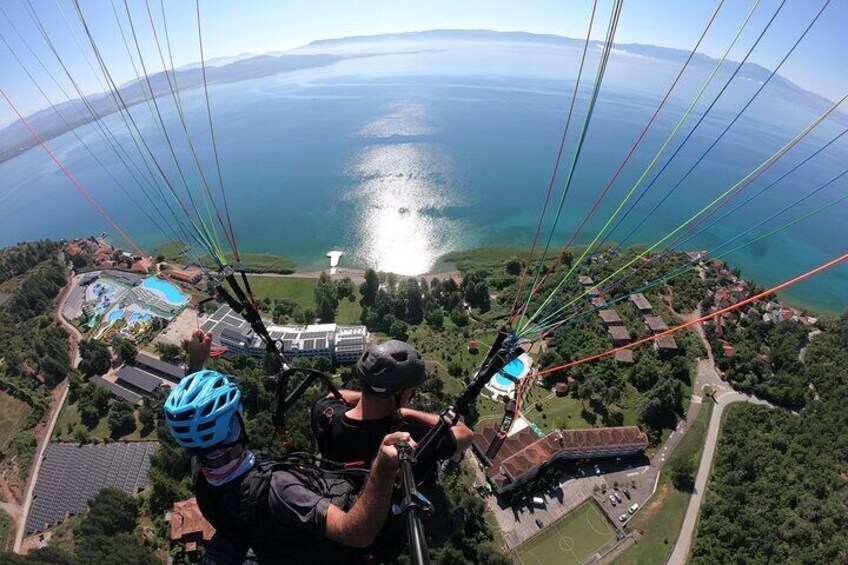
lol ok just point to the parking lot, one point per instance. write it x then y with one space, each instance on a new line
518 522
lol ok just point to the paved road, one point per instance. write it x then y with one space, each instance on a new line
687 532
75 337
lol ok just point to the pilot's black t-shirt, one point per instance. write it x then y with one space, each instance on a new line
350 441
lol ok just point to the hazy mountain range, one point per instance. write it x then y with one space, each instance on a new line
15 139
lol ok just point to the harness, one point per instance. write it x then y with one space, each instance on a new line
245 516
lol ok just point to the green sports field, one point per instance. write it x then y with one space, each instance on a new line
568 541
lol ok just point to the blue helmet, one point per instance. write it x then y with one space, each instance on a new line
201 408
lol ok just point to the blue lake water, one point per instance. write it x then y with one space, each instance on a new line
400 158
171 293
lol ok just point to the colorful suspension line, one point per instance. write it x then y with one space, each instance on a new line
513 310
599 77
211 233
212 132
668 194
80 140
109 137
679 243
200 232
629 154
764 294
691 264
175 94
657 156
732 191
95 117
68 174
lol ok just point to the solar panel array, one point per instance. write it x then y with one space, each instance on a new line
116 389
167 369
138 378
71 475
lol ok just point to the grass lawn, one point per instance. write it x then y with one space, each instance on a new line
660 520
13 413
301 292
570 540
69 419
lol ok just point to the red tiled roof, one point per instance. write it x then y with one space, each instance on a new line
523 454
186 519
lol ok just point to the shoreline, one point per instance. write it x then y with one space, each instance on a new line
450 264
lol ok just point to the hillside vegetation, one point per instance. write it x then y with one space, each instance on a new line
35 355
779 488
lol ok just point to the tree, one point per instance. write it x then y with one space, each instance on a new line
683 475
105 534
436 318
369 288
459 317
95 357
345 289
326 298
147 417
125 349
399 330
121 420
169 352
513 266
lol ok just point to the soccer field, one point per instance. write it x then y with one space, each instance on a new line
568 541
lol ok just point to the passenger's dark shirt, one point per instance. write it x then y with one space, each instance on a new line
297 521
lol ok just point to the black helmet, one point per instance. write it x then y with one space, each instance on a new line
390 367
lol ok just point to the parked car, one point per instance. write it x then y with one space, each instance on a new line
612 499
622 518
617 498
627 494
539 523
539 501
597 470
634 508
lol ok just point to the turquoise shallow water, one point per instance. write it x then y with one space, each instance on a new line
400 158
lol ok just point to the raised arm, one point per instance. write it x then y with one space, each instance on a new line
461 433
359 526
198 347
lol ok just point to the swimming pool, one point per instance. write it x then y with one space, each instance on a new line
171 293
514 368
137 316
115 314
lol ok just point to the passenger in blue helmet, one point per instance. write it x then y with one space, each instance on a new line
288 511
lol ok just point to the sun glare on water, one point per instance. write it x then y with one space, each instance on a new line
402 192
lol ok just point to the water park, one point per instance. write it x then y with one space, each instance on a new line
121 305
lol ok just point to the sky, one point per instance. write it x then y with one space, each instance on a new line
231 27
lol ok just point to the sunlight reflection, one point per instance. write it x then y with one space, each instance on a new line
401 198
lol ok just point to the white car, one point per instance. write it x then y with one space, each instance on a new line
597 470
612 499
622 518
617 498
633 508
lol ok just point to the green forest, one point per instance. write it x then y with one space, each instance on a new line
779 488
35 348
